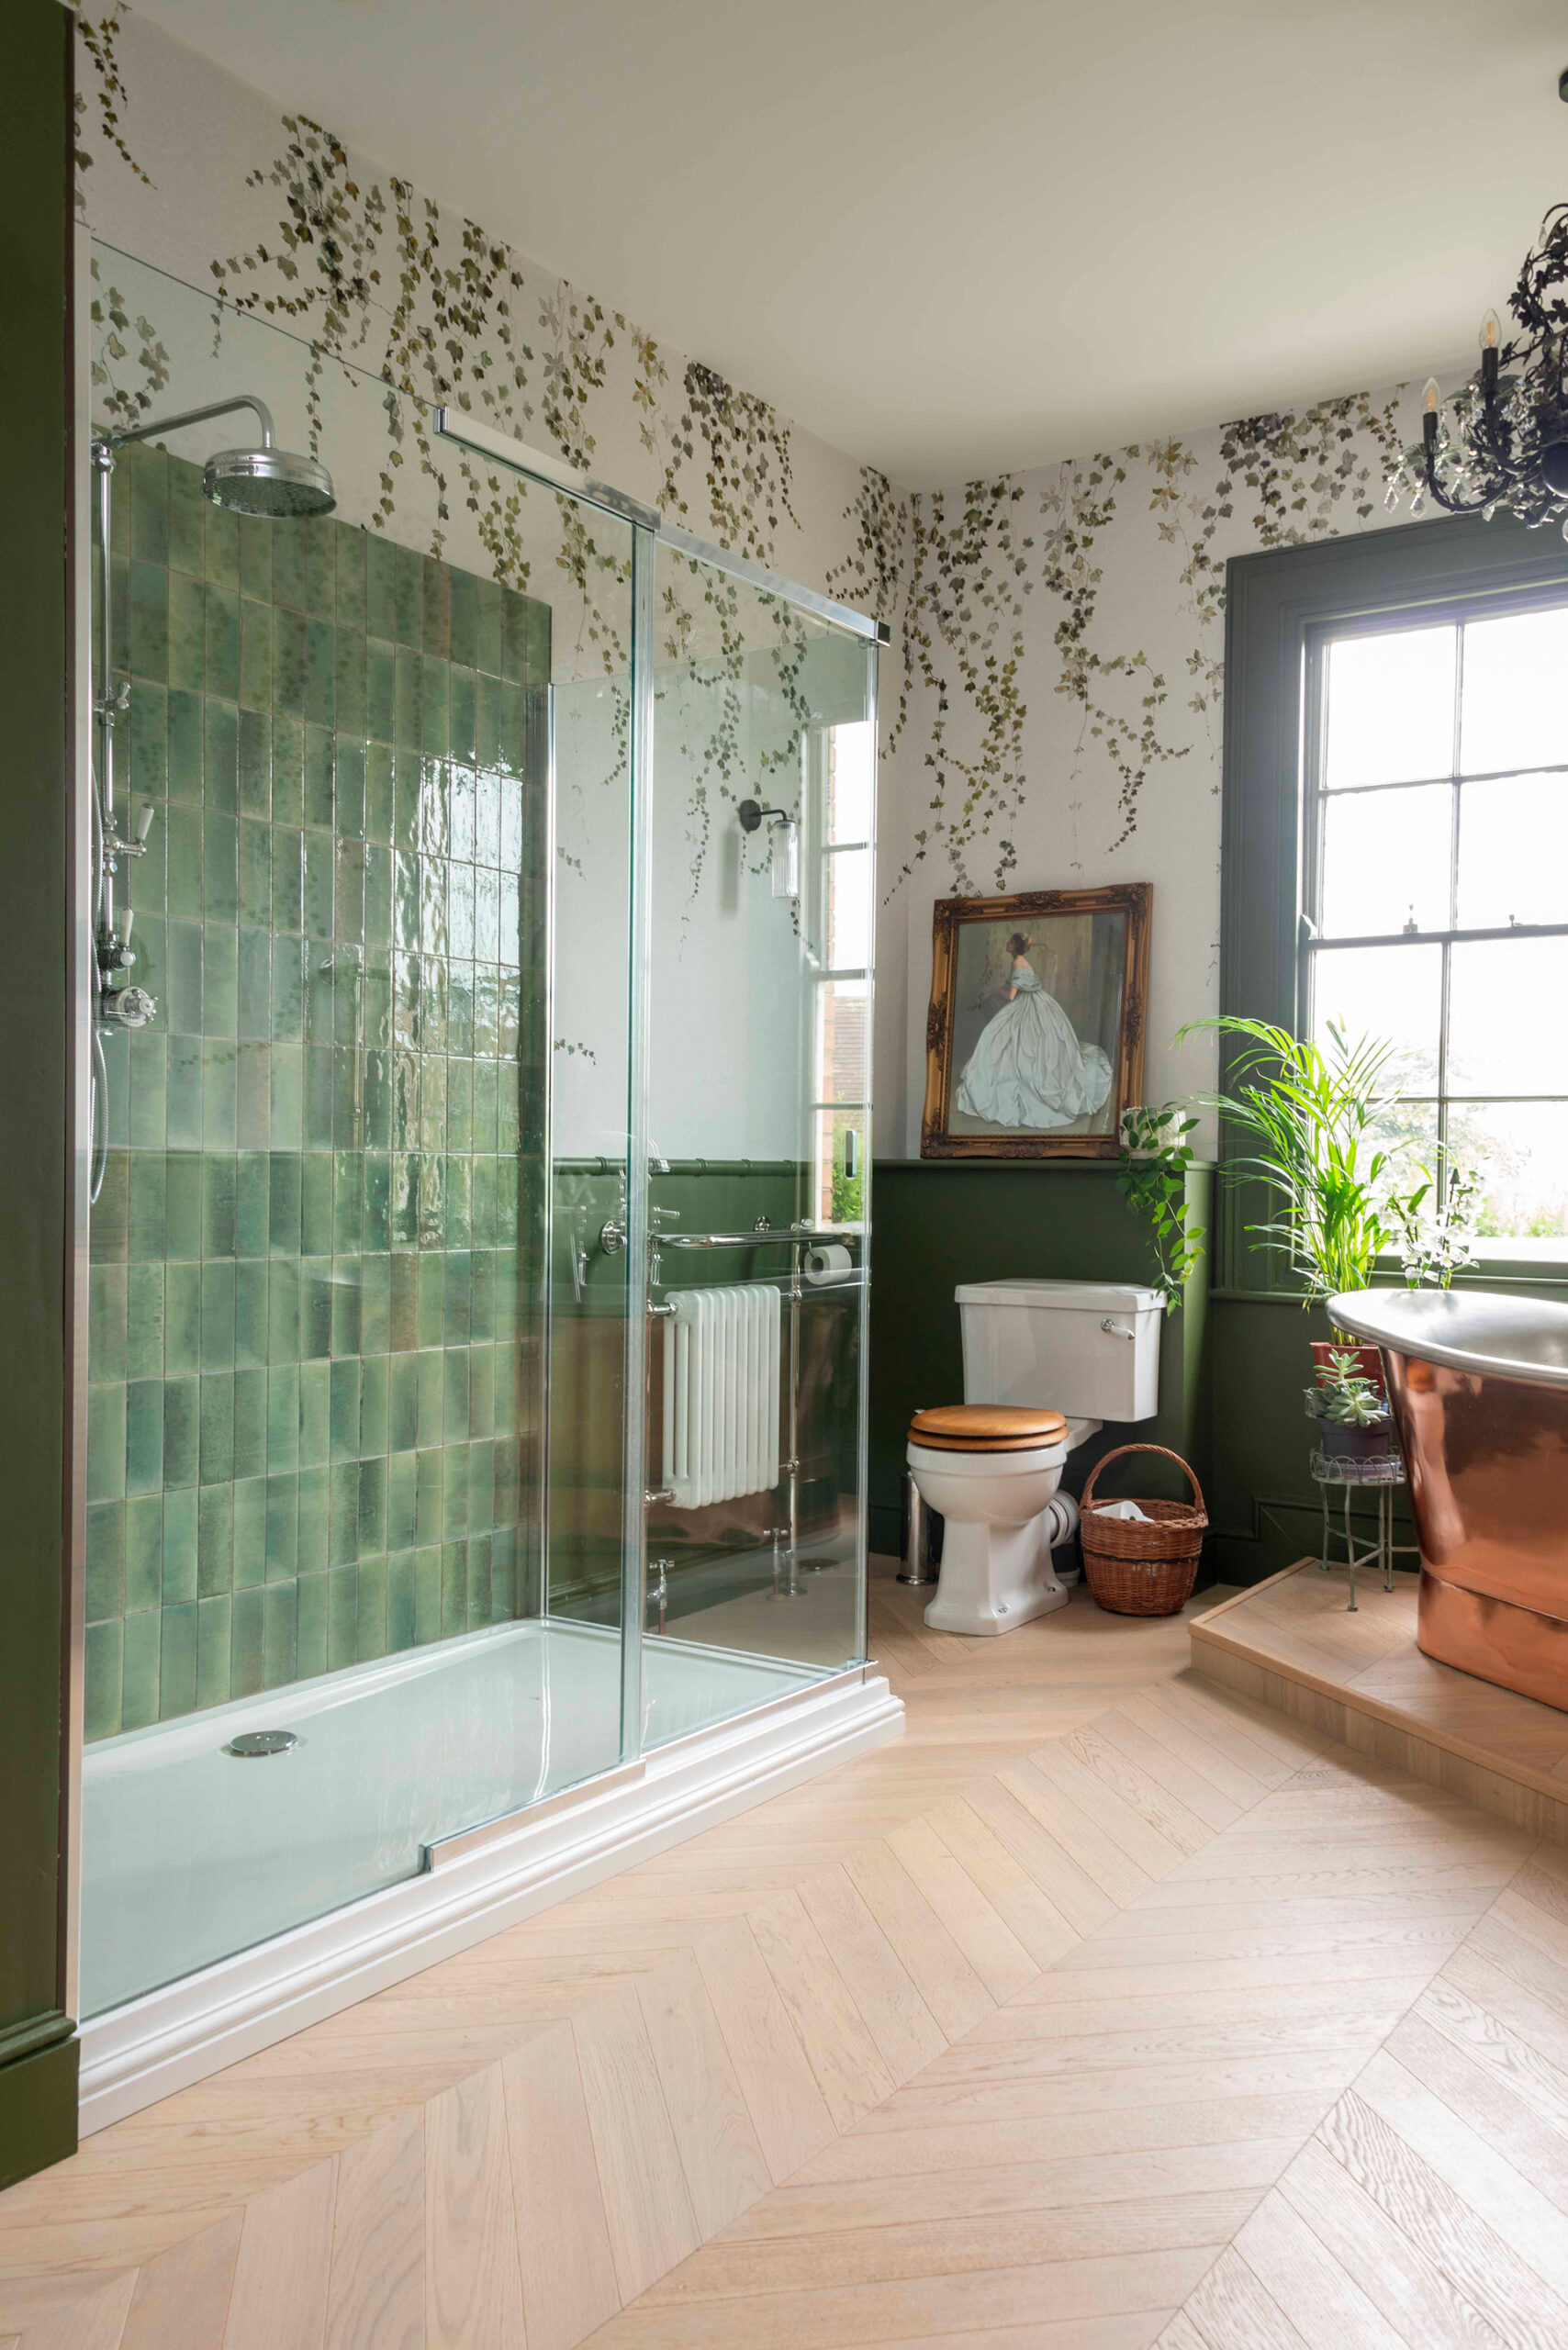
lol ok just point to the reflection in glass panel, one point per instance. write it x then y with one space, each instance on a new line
1385 861
755 698
1507 1033
1390 713
1521 1149
842 1054
1515 693
852 781
1393 991
1513 851
849 880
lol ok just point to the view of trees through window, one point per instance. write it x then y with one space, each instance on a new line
1437 865
843 1045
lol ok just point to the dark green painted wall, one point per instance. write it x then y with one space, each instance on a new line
38 2055
937 1223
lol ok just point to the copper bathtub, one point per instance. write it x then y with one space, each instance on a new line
1478 1384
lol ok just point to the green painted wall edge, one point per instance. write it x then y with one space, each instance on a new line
37 2083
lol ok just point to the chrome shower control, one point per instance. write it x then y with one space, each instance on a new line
612 1237
127 1007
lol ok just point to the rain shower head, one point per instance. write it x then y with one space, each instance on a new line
270 481
261 480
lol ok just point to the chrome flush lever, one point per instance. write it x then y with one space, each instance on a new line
1115 1329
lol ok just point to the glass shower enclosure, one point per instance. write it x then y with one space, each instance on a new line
479 1245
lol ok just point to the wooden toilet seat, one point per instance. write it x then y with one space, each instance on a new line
987 1428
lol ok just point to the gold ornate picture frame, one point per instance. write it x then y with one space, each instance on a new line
1034 1042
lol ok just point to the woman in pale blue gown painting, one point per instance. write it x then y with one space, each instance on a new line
1028 1069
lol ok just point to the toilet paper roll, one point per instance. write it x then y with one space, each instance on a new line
827 1264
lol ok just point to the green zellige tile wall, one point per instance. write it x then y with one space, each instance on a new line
312 1399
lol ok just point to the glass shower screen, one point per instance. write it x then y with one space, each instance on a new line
759 981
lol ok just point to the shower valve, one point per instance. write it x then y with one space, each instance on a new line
127 1007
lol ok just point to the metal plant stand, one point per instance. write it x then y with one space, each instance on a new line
1380 1476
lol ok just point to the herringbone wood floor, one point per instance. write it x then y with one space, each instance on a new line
1106 2008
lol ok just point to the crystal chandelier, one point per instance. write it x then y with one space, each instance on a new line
1501 441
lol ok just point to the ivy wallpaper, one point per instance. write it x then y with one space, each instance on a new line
1051 702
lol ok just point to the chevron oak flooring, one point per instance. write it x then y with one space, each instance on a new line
1130 2012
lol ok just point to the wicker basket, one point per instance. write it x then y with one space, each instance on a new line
1135 1568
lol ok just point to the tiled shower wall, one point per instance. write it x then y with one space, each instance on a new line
315 1258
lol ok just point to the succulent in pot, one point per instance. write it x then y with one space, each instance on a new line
1353 1421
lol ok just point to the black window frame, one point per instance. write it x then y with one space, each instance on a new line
1279 605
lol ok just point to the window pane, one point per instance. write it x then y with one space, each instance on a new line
1520 1150
1508 1017
1385 859
1513 851
841 1041
1392 991
849 910
852 772
1391 708
1515 691
840 1196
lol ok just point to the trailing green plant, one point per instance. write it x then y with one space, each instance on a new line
1156 1156
1313 1112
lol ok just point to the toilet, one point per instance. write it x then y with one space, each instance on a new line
1046 1365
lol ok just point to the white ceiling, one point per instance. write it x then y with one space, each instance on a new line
957 235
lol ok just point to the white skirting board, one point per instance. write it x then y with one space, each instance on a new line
168 2039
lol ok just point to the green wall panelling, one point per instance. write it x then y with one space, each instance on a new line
38 2050
313 1400
939 1223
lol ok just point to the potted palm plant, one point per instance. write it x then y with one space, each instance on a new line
1312 1113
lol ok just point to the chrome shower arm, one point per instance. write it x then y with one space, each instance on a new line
259 408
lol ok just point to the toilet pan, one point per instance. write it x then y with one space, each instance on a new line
1001 1512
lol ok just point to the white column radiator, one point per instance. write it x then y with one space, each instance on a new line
721 1428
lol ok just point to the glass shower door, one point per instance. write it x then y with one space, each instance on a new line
759 989
355 1396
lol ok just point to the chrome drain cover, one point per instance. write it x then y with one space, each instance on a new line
262 1741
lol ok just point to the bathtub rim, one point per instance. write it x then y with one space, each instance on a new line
1374 1314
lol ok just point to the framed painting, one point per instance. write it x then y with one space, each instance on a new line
1034 1044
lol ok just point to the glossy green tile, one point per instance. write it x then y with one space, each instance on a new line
106 1560
177 1683
288 660
220 981
342 1531
180 1514
286 1129
283 1526
250 1531
401 1623
314 1517
315 1413
222 668
217 1459
221 546
321 665
182 1431
255 879
288 768
144 1439
344 1390
256 675
280 1635
105 1443
453 1588
214 1539
311 1599
403 1399
256 556
315 1308
144 1333
103 1663
186 521
220 868
182 601
214 1682
247 1655
372 1641
186 724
